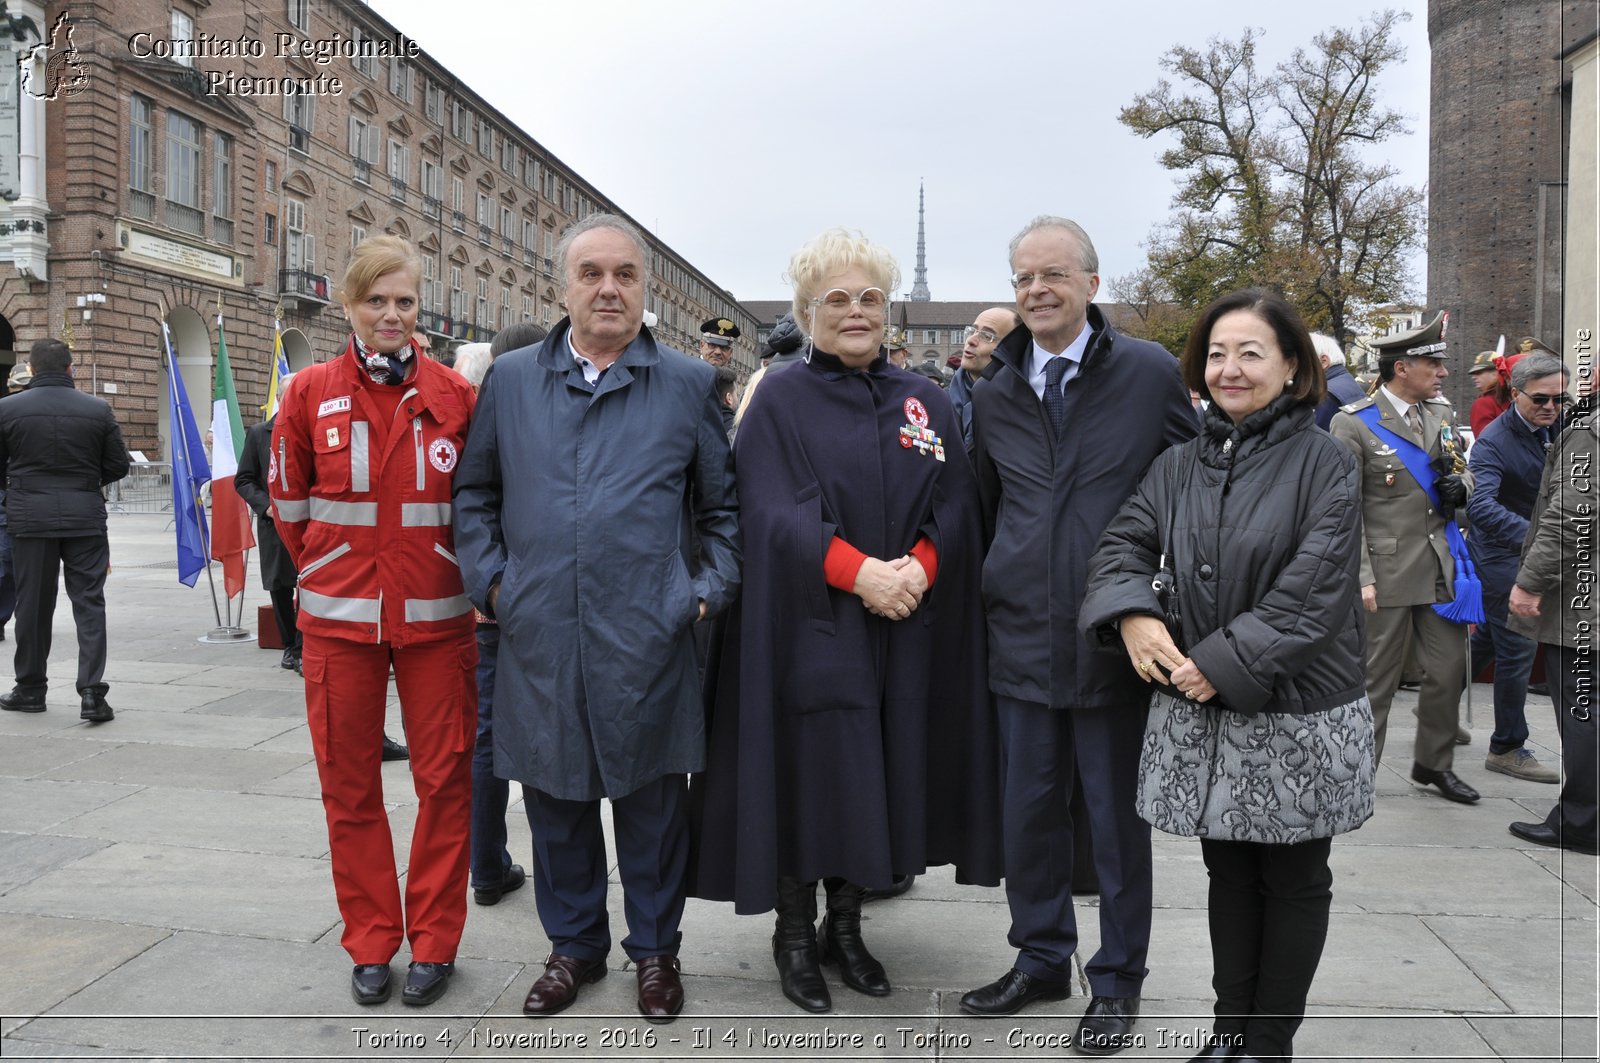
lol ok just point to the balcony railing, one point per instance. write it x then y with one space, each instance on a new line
458 221
186 218
527 256
397 188
434 323
221 230
363 171
472 332
430 207
300 139
485 234
306 286
141 205
508 246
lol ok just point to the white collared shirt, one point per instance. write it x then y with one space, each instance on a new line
1073 354
1400 406
591 372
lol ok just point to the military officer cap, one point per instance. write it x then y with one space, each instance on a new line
1484 363
1424 342
719 332
1529 343
896 340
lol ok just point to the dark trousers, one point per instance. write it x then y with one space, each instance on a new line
490 858
8 578
84 560
1512 655
1571 675
283 611
1042 751
569 868
1268 911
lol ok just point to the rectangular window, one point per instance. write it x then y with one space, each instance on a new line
549 244
183 174
460 120
432 99
358 233
484 316
508 156
527 307
505 307
269 229
530 234
297 243
485 138
222 187
399 159
270 171
458 204
365 45
457 296
485 210
182 38
299 112
431 184
549 185
430 285
400 78
141 145
363 140
530 172
300 15
508 224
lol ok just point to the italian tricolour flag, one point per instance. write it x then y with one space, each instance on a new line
230 517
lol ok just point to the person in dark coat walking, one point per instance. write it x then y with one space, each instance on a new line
1342 387
1062 430
1507 461
58 448
592 456
278 575
851 690
1268 752
17 381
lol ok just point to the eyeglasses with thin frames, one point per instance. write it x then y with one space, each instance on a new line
987 335
1052 277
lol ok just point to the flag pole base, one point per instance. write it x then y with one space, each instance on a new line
224 636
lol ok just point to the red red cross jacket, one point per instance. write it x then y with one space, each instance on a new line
360 483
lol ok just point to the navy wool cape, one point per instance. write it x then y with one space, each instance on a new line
841 743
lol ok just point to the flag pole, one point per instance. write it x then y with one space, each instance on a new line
230 632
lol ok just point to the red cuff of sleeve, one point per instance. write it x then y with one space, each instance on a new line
928 556
842 565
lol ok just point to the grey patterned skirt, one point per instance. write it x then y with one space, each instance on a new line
1277 778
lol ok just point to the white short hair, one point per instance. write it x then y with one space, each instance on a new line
1327 348
472 362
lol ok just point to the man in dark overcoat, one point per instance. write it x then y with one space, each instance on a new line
593 456
58 448
1068 418
278 575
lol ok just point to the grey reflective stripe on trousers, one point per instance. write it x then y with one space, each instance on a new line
355 610
424 514
358 514
292 510
418 609
360 472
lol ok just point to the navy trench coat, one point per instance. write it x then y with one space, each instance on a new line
585 504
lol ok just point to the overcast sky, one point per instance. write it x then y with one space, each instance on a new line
738 130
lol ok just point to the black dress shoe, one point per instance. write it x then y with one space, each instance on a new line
290 661
1213 1053
20 700
557 989
426 983
1013 992
1107 1025
898 885
1544 834
393 750
509 883
660 989
369 983
95 709
1451 787
1541 689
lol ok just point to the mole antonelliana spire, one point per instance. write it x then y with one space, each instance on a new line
919 284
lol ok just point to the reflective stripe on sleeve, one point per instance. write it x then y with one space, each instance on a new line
292 510
358 514
421 609
424 514
354 610
360 472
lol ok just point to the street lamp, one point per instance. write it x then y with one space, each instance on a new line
87 303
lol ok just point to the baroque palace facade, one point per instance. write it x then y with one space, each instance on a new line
162 158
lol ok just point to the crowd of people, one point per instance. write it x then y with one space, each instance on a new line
858 622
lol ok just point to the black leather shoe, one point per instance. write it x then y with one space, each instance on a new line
20 700
1452 788
510 883
290 661
393 750
557 989
426 983
1544 834
1213 1053
839 941
1013 992
1107 1025
369 983
1541 689
898 885
95 709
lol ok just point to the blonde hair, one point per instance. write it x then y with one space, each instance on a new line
374 257
831 252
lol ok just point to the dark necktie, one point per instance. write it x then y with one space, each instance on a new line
1055 406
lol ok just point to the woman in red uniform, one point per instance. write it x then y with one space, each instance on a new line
362 460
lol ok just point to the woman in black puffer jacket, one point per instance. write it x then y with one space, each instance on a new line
1268 752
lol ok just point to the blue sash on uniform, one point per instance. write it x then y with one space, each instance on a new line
1467 606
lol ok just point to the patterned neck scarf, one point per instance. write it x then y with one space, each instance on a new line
383 368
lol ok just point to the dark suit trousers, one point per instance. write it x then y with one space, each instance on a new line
1575 815
569 868
1268 910
84 560
284 612
1042 750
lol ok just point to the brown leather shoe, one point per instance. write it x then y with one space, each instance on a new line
660 990
557 989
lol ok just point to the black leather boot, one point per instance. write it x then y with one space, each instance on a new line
839 939
794 946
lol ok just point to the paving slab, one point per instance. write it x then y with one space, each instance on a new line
49 959
1541 1038
273 704
183 888
261 672
163 697
171 765
25 758
127 667
1446 881
291 999
40 804
24 857
205 819
187 729
1531 964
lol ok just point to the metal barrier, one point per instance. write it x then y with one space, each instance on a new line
146 489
